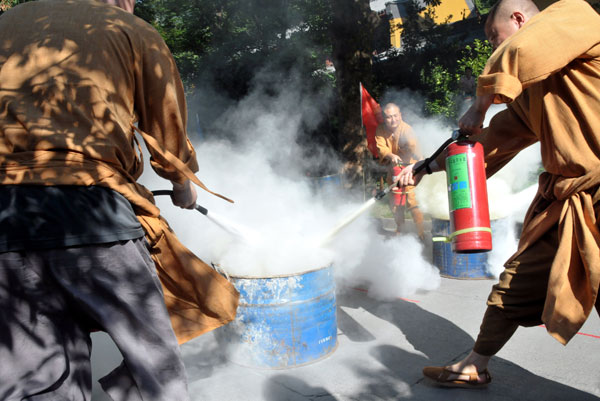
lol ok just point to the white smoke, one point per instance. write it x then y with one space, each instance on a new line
263 169
389 268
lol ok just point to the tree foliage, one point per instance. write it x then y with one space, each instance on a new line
440 80
6 4
230 40
483 6
234 47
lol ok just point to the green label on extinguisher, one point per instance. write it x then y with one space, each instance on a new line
459 193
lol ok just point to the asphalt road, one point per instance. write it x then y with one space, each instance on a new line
382 348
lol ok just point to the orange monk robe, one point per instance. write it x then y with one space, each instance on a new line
549 73
67 109
402 143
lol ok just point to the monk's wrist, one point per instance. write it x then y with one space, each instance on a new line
483 103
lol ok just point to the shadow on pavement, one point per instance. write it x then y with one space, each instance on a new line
436 341
352 329
289 388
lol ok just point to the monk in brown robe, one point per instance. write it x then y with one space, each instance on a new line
397 146
82 245
546 66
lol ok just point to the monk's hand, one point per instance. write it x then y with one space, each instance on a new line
394 159
184 195
471 123
408 177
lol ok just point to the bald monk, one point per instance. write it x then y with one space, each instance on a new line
553 96
397 145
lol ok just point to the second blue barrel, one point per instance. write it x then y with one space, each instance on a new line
327 185
457 265
282 321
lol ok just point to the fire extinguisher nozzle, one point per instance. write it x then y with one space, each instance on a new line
201 209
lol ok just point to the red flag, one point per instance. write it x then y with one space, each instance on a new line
371 118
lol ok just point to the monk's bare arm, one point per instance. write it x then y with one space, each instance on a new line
471 122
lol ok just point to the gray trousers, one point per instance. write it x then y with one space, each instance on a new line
49 302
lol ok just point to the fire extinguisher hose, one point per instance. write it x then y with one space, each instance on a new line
456 135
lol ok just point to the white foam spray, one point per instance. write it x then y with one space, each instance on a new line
346 221
243 233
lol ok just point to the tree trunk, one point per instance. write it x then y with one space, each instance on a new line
352 30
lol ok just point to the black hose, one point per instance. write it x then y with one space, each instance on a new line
427 161
160 192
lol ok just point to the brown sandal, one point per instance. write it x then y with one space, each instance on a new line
440 375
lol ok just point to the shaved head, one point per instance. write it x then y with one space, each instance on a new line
506 17
392 117
504 8
391 107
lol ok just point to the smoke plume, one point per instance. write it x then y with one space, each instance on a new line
262 165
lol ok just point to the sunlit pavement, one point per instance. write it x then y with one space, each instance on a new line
383 347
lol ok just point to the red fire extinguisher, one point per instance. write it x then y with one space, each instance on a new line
467 198
398 193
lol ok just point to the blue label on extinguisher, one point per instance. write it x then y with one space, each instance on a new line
459 192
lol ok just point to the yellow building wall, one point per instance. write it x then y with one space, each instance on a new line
396 32
447 11
450 11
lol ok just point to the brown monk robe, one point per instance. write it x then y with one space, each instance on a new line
546 66
396 144
69 120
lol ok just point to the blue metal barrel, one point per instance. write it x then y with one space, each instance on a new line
457 265
327 185
282 321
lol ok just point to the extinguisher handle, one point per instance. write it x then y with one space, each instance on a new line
459 135
160 192
427 161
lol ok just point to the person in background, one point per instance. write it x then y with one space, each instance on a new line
397 146
467 84
82 245
553 279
